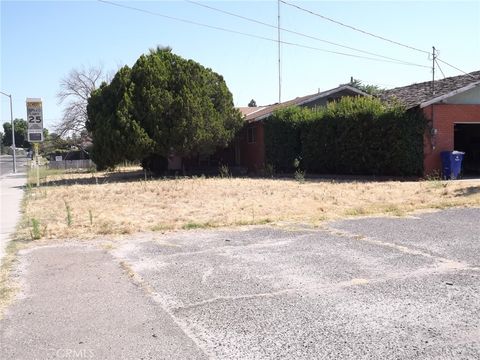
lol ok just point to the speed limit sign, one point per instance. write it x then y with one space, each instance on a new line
35 120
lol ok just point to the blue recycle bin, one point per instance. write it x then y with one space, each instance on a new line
451 164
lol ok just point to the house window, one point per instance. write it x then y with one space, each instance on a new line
251 135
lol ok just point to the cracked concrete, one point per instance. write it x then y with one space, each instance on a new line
78 303
336 292
372 288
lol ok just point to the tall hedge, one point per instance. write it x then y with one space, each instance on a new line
282 137
353 136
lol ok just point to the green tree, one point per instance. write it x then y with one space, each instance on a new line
369 89
53 142
184 107
164 105
20 133
117 136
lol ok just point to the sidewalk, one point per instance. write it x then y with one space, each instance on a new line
11 195
77 302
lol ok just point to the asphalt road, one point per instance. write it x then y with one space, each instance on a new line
6 164
383 288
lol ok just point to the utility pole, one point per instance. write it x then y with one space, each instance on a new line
434 57
279 57
13 133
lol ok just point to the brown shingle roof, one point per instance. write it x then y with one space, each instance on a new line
416 94
250 109
267 110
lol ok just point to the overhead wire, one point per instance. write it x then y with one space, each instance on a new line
182 20
456 68
439 67
293 31
370 34
353 27
398 62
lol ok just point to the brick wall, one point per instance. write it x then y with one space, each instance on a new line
444 117
252 154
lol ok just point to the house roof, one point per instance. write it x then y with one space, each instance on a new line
421 94
263 112
250 109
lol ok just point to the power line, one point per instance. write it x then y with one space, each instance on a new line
371 34
354 28
257 36
293 31
351 55
440 68
191 22
454 67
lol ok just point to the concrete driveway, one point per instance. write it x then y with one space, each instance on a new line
376 288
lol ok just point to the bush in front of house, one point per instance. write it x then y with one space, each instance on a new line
155 163
164 105
282 137
360 136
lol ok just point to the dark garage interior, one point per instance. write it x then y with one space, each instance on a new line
467 139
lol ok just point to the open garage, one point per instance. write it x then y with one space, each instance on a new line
467 139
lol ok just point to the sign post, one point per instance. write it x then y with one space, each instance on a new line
37 165
35 128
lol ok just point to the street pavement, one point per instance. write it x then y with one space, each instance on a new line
11 195
6 164
371 288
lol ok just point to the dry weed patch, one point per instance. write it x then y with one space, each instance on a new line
88 205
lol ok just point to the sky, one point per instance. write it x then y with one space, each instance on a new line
42 41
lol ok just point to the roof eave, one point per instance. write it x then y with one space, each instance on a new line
450 94
333 91
263 116
316 97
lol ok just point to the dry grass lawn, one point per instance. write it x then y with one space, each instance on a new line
88 205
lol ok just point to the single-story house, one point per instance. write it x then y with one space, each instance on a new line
250 144
452 107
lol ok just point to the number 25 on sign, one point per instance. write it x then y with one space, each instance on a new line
35 119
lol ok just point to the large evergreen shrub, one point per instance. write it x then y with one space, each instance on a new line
353 136
164 105
282 137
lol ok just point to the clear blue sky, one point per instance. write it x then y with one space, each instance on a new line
42 41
